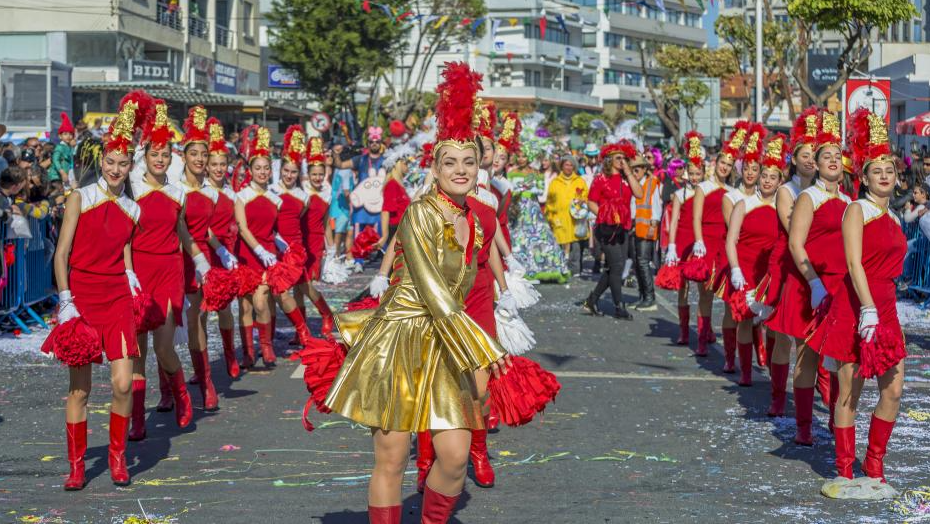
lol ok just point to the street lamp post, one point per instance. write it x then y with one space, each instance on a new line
759 60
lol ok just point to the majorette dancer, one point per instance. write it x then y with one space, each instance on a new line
316 235
874 247
803 169
257 209
427 347
223 234
710 233
814 239
749 178
93 269
290 221
752 230
681 229
157 259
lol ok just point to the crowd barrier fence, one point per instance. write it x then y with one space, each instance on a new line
28 279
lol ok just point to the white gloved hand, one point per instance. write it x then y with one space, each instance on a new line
737 279
267 258
280 243
868 321
135 287
699 249
378 285
227 258
818 292
201 267
507 302
671 256
514 266
331 251
66 307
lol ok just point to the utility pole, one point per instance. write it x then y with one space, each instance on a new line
759 61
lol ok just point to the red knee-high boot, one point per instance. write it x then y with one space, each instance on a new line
327 329
704 331
879 434
201 361
745 363
779 377
166 402
804 415
229 352
296 340
484 473
119 425
425 456
385 515
729 350
684 318
138 410
300 326
248 346
185 411
437 508
264 342
762 349
845 450
823 382
77 447
834 394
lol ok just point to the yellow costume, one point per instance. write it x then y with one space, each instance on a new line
410 364
562 191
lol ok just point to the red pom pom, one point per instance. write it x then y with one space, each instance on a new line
397 128
669 277
365 243
285 274
248 279
696 269
365 303
322 360
739 307
75 343
220 287
524 391
881 354
146 314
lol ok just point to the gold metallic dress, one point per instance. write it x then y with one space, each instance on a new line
410 365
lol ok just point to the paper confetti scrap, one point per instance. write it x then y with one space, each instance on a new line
913 503
919 416
229 447
49 458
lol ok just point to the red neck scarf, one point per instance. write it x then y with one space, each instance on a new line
469 216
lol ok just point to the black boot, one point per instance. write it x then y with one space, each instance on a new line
590 306
621 312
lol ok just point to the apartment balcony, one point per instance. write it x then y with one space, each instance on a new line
542 95
225 37
198 27
168 16
656 30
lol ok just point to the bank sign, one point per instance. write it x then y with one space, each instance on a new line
225 81
149 70
282 78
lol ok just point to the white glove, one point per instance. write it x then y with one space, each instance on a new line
280 243
378 285
699 249
135 287
267 258
868 320
66 308
201 267
507 302
737 278
514 266
818 292
671 256
227 258
331 252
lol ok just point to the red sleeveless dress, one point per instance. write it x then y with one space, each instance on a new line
684 233
479 303
198 213
756 237
261 214
714 230
223 223
313 229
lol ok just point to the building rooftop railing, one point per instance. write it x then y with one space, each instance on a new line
168 15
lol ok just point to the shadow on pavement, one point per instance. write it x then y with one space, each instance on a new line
410 513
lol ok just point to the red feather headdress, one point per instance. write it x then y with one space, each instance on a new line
804 131
261 144
868 139
776 152
217 140
829 132
134 111
487 119
623 147
157 132
427 159
736 141
753 149
456 109
509 138
315 152
195 127
294 144
693 150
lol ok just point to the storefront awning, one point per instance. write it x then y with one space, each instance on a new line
919 125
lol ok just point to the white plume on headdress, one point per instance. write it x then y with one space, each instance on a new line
426 134
624 131
396 153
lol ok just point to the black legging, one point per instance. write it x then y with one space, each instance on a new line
615 256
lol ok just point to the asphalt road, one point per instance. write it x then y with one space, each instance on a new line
642 432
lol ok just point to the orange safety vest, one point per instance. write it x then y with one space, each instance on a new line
644 216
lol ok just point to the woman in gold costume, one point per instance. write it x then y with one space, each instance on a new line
411 362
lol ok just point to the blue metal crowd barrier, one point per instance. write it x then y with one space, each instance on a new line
29 278
918 264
